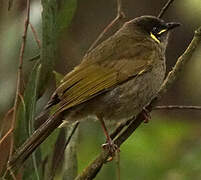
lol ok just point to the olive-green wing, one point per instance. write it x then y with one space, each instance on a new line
89 80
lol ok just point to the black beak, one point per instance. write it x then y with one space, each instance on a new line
172 25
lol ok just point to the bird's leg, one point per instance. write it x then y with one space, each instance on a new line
146 114
109 143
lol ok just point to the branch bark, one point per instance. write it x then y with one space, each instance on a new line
177 107
94 167
35 36
164 9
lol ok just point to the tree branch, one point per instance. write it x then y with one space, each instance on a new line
19 73
177 107
35 36
164 9
120 15
94 167
10 4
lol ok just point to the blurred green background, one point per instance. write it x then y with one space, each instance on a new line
169 146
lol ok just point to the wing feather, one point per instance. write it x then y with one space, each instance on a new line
89 80
87 88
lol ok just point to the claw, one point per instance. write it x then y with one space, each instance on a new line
111 146
147 115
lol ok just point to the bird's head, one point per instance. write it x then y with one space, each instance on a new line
154 28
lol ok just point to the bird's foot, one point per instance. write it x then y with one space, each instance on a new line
147 115
111 147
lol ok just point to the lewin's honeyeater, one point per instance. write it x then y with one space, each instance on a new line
115 80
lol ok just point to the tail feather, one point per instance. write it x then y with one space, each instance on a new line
34 141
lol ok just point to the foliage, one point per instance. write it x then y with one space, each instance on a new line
57 20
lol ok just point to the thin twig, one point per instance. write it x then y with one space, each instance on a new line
34 58
9 132
3 123
120 9
91 170
12 174
118 165
19 73
5 136
177 107
164 9
35 35
120 15
119 128
10 4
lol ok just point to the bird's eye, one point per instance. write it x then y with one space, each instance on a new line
154 30
157 33
154 34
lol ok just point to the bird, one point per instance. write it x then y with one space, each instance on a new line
114 81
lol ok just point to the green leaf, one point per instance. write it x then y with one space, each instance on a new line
58 77
70 164
26 110
66 10
56 16
48 145
26 116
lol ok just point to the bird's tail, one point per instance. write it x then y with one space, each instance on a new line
34 141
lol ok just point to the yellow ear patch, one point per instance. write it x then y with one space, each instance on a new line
154 38
141 72
162 31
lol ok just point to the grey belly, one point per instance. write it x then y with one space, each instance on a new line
124 101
